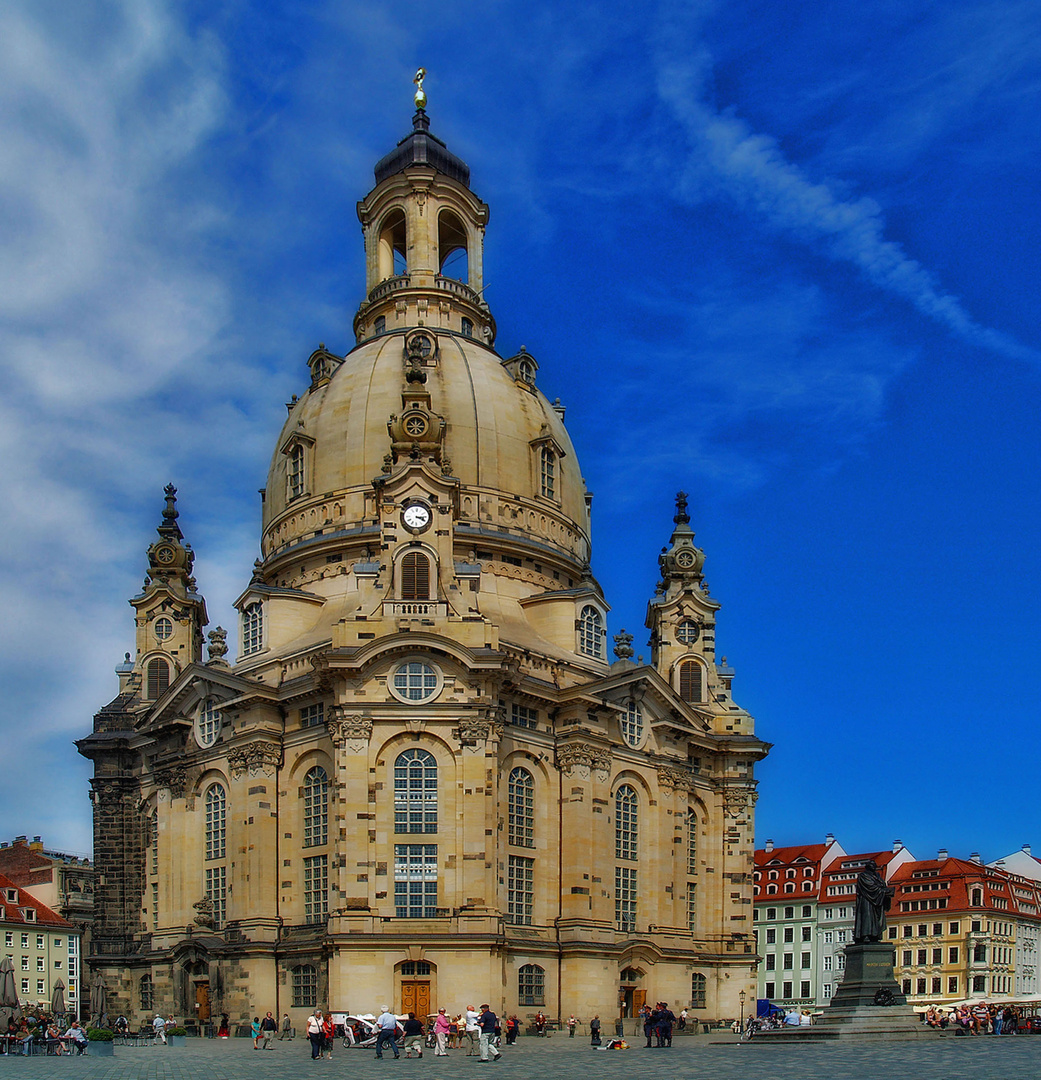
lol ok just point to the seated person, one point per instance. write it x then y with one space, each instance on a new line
54 1043
77 1036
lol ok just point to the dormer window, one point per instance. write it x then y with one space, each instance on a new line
591 632
548 472
252 628
526 370
29 914
295 472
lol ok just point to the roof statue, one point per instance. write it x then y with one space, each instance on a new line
421 97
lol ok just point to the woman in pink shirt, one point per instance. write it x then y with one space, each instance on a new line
441 1026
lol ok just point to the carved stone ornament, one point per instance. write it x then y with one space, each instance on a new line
174 778
349 732
256 758
204 907
601 762
575 759
737 799
218 645
478 729
672 776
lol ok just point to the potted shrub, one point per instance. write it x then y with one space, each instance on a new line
100 1040
175 1036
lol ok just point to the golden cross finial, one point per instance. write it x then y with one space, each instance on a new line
421 97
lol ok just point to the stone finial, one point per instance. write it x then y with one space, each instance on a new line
170 510
623 645
682 517
217 645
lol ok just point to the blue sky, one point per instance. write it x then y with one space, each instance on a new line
781 256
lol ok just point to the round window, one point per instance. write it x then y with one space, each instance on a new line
415 681
208 723
163 629
688 631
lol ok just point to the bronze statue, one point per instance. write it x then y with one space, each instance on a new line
874 897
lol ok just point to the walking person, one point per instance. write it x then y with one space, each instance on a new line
159 1028
254 1030
572 1023
387 1022
488 1023
594 1031
441 1026
287 1028
314 1033
413 1036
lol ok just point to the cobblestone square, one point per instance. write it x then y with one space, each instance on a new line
697 1058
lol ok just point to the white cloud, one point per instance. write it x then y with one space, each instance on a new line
725 156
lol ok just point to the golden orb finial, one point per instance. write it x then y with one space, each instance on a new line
421 97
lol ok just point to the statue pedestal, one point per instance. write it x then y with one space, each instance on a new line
853 1012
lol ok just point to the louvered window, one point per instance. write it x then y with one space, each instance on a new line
691 681
158 678
415 577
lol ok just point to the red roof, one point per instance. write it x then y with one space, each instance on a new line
13 910
999 891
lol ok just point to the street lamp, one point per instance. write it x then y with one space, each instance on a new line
741 998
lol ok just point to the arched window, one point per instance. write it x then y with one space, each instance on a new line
591 632
415 792
305 986
413 968
691 681
295 472
380 325
632 724
208 723
522 808
216 809
216 888
467 327
697 991
415 576
625 823
692 843
145 993
548 471
392 246
158 674
527 372
771 890
252 628
451 247
316 807
531 985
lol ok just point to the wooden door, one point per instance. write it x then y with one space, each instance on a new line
639 999
202 1002
415 998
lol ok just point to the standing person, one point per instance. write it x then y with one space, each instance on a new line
441 1027
512 1027
540 1024
682 1022
666 1018
314 1033
473 1029
594 1031
268 1027
387 1022
488 1023
159 1028
572 1023
413 1036
222 1031
254 1030
287 1028
328 1031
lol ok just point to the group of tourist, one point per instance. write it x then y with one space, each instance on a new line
31 1031
978 1019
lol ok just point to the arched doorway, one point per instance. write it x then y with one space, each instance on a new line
631 995
415 987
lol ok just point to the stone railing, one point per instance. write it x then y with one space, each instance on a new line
428 608
385 288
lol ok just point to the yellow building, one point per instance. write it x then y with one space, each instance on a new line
424 782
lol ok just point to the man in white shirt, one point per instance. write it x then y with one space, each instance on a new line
387 1022
473 1028
159 1028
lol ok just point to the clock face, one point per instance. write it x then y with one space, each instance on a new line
416 517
